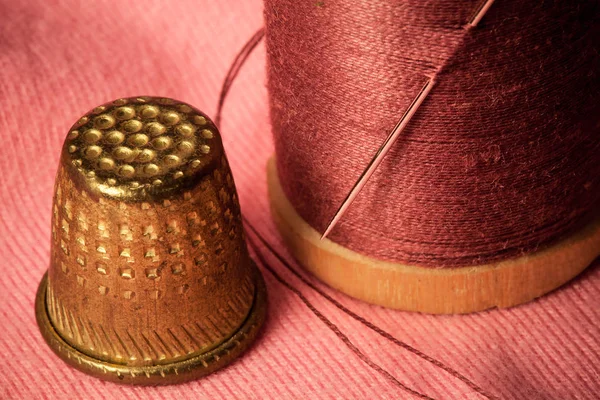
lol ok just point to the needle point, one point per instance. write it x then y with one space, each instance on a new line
381 153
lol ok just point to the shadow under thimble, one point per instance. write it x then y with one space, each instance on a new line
150 281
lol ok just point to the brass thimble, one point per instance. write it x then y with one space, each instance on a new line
150 281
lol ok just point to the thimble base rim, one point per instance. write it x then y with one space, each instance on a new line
163 374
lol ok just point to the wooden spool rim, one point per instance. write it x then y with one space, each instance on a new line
436 291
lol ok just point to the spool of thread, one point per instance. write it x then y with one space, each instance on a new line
491 195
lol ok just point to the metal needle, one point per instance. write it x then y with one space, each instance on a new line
393 136
484 8
379 156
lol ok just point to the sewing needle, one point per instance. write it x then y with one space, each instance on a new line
379 156
393 136
484 8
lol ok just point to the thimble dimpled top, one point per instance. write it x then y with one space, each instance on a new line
148 263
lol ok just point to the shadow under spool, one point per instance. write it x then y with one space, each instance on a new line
490 195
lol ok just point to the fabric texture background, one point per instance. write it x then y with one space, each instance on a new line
59 59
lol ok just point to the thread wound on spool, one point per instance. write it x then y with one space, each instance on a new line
502 158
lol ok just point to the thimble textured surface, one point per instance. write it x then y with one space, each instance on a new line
149 265
142 147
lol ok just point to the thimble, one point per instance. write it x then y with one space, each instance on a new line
150 281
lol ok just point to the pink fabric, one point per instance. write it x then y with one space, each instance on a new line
59 59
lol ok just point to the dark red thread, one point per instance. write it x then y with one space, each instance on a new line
364 321
234 69
334 327
239 62
502 157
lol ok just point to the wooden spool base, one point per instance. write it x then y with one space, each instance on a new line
436 291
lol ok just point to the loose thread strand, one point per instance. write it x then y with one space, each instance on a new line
365 322
334 328
234 69
238 62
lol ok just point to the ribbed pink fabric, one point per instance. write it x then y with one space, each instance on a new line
59 59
